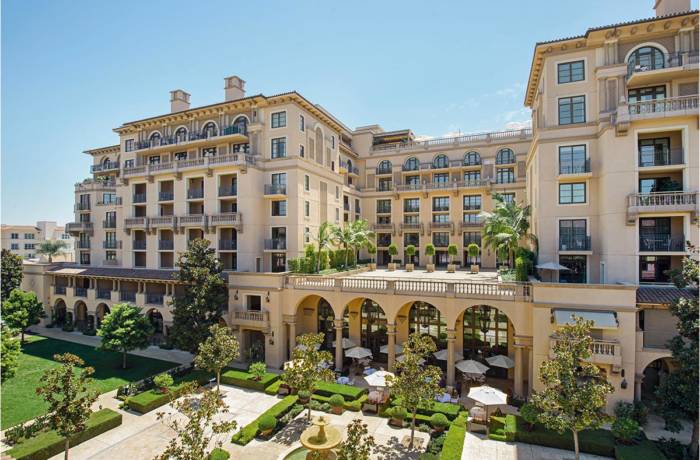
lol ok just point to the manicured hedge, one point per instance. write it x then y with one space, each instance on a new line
643 450
248 432
152 399
597 442
219 454
47 444
448 409
454 442
354 406
350 393
245 379
273 388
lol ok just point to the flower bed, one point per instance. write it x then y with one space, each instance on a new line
248 432
152 399
245 379
49 443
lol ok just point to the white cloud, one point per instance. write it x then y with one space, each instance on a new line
513 91
519 124
423 137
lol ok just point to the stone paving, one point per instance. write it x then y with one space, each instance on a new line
476 446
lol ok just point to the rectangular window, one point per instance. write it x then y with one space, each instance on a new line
279 147
301 151
208 152
508 197
651 93
128 145
241 148
154 160
279 119
413 180
441 204
654 269
279 178
14 246
384 184
307 235
441 218
28 245
307 183
411 219
279 208
279 262
28 236
572 110
383 219
128 164
333 142
85 258
307 209
573 235
441 239
472 176
569 72
441 178
110 255
505 175
471 237
473 219
180 156
14 236
411 238
657 152
302 125
572 193
471 202
383 206
576 272
357 205
411 205
572 159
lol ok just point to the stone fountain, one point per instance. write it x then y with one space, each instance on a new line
321 438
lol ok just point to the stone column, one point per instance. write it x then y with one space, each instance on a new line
451 336
292 337
391 334
530 370
638 387
338 323
518 371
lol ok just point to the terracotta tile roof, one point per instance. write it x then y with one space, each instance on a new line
663 294
108 272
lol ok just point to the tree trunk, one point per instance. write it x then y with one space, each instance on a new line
21 335
575 444
218 382
67 446
346 256
318 259
694 440
50 260
308 414
124 359
413 426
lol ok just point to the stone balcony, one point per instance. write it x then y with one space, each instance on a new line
247 318
602 352
638 203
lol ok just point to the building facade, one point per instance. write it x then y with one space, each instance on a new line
24 240
609 168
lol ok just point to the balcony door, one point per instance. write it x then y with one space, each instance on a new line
572 234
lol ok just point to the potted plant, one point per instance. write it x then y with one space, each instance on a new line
304 397
257 370
410 252
393 251
397 414
452 252
439 422
336 401
266 423
372 250
430 252
473 252
163 381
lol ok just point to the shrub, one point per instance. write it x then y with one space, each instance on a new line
454 441
257 370
294 265
336 400
637 411
304 395
625 429
439 421
672 448
398 412
219 454
50 443
350 393
452 252
278 411
325 260
529 413
267 422
424 428
247 380
521 269
163 381
148 400
473 251
643 450
393 251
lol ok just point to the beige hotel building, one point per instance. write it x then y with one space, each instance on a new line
610 168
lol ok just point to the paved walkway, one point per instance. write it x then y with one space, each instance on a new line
175 356
476 446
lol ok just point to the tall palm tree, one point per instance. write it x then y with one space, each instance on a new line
51 248
344 236
361 235
324 239
506 225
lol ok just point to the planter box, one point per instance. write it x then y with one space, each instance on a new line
372 267
392 267
430 268
409 267
474 269
451 268
396 422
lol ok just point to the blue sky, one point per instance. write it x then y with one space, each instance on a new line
73 70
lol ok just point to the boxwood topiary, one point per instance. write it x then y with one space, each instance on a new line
439 421
267 423
336 401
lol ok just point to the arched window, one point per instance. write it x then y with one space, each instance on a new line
485 330
155 139
505 156
426 320
209 129
441 161
645 58
181 134
384 167
240 125
373 326
411 164
472 159
325 323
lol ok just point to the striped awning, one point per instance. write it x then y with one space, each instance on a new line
601 319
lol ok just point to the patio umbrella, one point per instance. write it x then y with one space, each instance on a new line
552 266
398 349
442 355
501 361
400 359
378 379
358 353
469 366
347 343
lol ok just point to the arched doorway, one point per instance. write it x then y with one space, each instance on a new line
101 312
373 326
80 315
156 319
486 333
427 320
654 374
59 313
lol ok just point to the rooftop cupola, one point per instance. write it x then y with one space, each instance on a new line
179 100
234 87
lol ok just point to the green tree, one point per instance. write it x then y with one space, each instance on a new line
452 252
323 239
678 393
124 329
21 310
361 235
9 353
393 251
66 389
11 272
344 236
51 248
195 433
358 444
575 392
204 298
372 251
506 225
430 251
410 252
217 351
473 251
416 385
309 365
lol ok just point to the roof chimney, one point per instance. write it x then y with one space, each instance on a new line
666 7
234 87
179 101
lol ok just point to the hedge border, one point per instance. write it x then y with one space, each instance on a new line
149 400
645 449
248 432
451 411
348 392
244 379
47 444
454 442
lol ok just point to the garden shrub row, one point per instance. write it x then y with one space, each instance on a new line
248 432
451 411
353 406
152 399
350 393
219 454
49 443
643 450
245 379
454 442
273 388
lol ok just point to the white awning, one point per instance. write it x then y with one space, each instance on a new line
601 319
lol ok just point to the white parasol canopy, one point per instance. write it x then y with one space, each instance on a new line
552 266
501 361
358 353
488 396
442 355
347 343
469 366
400 359
378 379
398 349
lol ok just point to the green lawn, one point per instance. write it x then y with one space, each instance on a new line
19 399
